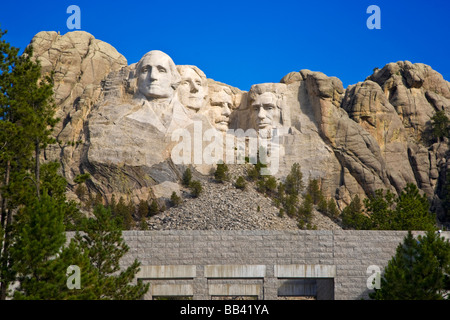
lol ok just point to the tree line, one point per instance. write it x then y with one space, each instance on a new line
35 214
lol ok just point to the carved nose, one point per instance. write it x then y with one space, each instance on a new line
226 110
261 113
194 88
153 74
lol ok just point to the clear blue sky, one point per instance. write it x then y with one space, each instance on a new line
246 42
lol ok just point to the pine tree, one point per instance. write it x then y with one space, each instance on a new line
440 125
241 183
352 216
305 211
39 237
294 183
412 211
26 121
196 188
142 210
175 199
123 214
418 271
314 191
187 177
103 241
380 209
153 209
221 172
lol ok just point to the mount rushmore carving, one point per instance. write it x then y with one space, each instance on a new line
368 136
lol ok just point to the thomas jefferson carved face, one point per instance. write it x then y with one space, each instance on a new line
192 90
156 75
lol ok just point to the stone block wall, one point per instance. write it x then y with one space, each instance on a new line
257 263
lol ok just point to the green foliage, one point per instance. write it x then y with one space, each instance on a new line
352 216
328 207
123 213
196 188
419 270
154 208
305 212
175 199
293 182
187 177
313 189
440 125
446 196
254 173
39 236
385 211
102 240
408 211
81 178
142 210
221 172
26 121
267 185
240 183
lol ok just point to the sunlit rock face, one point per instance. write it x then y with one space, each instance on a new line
118 122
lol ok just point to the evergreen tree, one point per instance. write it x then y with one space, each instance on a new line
39 237
412 211
305 212
241 183
294 183
440 125
408 211
175 199
314 191
26 121
187 177
102 240
352 216
332 210
221 172
419 270
196 188
153 209
142 210
380 208
123 214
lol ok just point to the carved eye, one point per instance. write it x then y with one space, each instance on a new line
144 69
162 70
198 83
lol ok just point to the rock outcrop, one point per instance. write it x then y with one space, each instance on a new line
80 63
118 123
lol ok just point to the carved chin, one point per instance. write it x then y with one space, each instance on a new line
222 126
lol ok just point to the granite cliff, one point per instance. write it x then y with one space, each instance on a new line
119 126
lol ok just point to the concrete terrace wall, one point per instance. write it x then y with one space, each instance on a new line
204 264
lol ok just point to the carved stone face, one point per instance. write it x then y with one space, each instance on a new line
191 90
265 111
155 79
221 103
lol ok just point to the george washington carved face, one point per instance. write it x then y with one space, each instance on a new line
157 76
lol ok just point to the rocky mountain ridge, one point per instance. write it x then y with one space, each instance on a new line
368 136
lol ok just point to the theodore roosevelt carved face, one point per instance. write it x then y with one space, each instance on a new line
221 107
157 76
